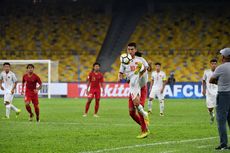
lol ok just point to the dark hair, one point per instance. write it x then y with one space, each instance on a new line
139 54
132 44
157 63
96 63
30 65
213 60
6 63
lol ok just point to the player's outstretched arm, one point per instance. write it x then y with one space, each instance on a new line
13 89
1 84
213 80
204 87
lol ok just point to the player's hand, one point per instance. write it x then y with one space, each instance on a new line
12 91
2 88
204 92
162 90
102 91
22 93
35 90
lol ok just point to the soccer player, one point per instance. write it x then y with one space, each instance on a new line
31 94
136 73
95 82
209 89
10 82
157 85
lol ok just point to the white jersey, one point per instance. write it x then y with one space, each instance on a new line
128 69
8 79
210 88
158 78
136 82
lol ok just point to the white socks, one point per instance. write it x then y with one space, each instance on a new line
141 110
150 103
8 111
13 108
162 106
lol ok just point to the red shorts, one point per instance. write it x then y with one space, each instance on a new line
94 93
31 98
142 98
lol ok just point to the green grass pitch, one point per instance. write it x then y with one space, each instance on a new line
185 128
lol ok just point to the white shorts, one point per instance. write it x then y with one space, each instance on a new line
156 94
8 97
210 100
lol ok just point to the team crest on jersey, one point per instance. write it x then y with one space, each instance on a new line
93 79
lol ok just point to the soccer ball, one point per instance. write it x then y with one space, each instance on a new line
125 58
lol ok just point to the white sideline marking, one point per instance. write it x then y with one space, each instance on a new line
99 124
168 151
204 146
150 144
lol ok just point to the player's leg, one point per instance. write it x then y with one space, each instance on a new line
211 102
132 111
162 103
7 101
18 111
7 105
36 108
97 102
89 100
28 108
150 101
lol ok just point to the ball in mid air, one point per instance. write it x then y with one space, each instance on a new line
125 58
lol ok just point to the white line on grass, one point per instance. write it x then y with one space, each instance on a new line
150 144
203 146
170 151
175 124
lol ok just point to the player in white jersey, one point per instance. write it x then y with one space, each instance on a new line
210 90
157 85
10 82
137 75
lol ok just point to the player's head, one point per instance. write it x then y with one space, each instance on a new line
30 68
132 49
158 66
213 63
96 66
6 67
225 55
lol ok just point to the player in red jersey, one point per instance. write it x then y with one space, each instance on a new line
31 94
95 82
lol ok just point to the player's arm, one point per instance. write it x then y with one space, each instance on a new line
213 80
151 85
88 83
204 84
40 85
215 76
164 83
102 84
23 84
121 73
1 81
15 84
204 87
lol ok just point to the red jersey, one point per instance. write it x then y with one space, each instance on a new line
95 79
31 82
